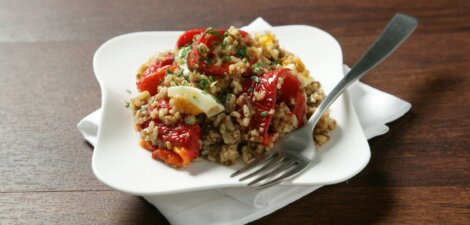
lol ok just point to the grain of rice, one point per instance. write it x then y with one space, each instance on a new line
246 111
259 95
245 122
235 114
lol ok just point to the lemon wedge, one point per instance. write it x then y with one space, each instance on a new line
192 101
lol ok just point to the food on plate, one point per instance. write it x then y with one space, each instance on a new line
223 95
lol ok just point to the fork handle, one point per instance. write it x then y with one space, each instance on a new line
397 31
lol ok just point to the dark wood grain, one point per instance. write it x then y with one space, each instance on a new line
419 172
76 207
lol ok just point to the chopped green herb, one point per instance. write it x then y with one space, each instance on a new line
190 120
168 72
255 79
180 73
203 83
216 99
128 104
128 91
222 99
256 67
184 52
211 30
226 34
227 59
224 44
242 52
202 49
263 114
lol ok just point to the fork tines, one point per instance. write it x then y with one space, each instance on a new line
277 166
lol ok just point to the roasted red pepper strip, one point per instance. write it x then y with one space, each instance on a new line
182 135
169 157
179 157
164 61
187 37
291 89
267 84
152 78
197 62
184 139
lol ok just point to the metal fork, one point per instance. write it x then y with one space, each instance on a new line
294 152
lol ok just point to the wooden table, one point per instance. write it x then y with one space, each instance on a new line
419 172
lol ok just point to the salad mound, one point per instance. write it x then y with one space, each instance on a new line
223 95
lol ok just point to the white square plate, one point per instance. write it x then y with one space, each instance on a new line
119 161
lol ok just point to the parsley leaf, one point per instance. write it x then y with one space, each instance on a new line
184 52
211 30
222 99
227 58
242 52
256 67
204 83
263 114
202 49
190 120
255 79
180 73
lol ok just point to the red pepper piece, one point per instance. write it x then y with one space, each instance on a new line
291 89
244 34
184 138
267 84
162 104
196 61
169 157
165 61
182 135
299 109
187 37
152 78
